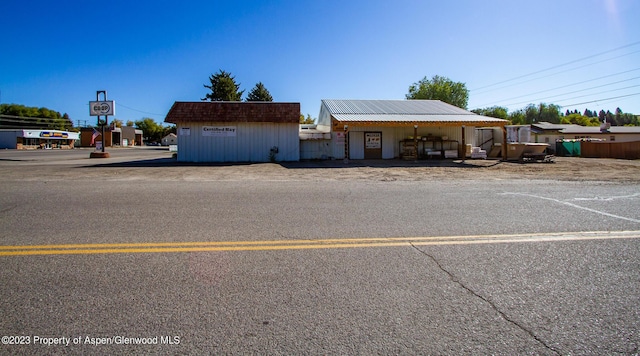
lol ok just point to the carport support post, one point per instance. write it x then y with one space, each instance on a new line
346 143
504 143
463 151
415 139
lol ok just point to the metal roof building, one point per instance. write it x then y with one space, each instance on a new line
611 134
401 112
370 129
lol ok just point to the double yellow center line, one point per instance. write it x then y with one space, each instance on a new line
173 247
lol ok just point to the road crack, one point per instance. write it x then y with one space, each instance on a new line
502 314
8 209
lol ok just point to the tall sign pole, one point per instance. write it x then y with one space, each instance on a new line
102 108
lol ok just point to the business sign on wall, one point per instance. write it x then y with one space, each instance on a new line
50 134
185 131
219 131
373 140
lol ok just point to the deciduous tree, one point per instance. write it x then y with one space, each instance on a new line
498 112
440 88
152 131
20 116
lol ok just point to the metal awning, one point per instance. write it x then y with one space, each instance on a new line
416 119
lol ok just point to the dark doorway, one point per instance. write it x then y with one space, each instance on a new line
373 145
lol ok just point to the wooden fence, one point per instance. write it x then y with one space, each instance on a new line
622 150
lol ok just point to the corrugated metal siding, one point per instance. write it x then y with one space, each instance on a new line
356 145
356 141
252 143
337 147
391 137
324 117
316 149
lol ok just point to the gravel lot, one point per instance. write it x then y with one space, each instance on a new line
157 164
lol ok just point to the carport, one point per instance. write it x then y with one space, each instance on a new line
410 129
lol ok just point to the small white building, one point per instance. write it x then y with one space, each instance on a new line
236 131
604 133
170 139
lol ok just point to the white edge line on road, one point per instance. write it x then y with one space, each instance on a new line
574 206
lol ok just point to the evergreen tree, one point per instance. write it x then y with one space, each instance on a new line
610 118
223 88
259 93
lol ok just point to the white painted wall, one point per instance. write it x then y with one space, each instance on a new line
252 143
316 149
391 137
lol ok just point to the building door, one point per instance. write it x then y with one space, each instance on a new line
373 145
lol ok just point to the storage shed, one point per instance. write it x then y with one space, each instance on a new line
170 139
410 129
236 131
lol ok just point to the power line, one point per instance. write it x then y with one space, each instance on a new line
599 100
603 92
556 73
578 91
566 86
558 66
140 111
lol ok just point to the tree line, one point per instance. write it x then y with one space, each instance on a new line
552 113
21 116
457 94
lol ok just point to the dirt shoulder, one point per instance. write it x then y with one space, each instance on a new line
166 169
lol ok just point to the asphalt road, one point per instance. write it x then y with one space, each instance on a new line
315 267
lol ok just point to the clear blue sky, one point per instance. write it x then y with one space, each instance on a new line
148 54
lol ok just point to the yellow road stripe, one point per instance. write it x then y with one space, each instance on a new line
168 247
308 241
